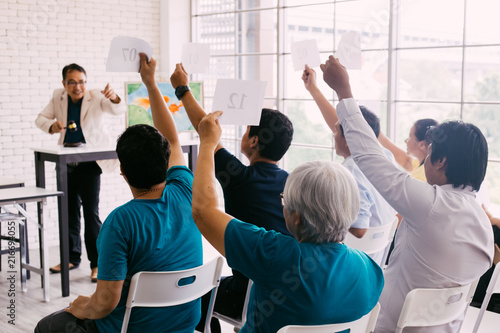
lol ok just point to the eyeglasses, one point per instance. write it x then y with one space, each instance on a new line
73 84
282 197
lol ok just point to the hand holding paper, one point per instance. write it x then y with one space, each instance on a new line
196 57
309 78
240 100
349 50
124 54
305 53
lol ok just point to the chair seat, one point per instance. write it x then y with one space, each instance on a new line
490 322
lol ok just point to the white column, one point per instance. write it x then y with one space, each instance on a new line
175 30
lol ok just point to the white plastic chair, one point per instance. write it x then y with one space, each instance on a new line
375 239
493 288
365 324
237 323
431 307
159 289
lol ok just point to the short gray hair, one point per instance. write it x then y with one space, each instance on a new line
327 198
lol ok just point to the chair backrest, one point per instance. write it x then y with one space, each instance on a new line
430 307
237 322
493 288
375 239
159 289
365 324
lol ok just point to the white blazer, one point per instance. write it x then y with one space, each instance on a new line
94 130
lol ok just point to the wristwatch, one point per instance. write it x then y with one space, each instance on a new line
180 91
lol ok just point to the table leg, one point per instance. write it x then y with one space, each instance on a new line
40 182
45 255
62 185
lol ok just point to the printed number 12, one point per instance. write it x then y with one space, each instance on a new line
231 101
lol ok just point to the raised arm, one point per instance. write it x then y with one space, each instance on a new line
211 221
406 195
400 155
162 118
327 109
194 111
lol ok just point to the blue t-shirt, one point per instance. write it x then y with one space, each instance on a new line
300 283
151 235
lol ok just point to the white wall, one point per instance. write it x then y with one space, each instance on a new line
37 39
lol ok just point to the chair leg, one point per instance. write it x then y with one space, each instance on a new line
22 255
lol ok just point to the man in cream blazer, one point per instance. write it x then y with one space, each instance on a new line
78 115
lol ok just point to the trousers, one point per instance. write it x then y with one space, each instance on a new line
64 322
84 184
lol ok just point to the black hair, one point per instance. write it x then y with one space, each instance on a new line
371 118
465 149
422 126
144 154
275 133
72 67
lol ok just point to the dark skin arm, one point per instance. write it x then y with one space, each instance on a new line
194 111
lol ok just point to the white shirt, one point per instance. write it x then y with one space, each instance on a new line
374 211
444 239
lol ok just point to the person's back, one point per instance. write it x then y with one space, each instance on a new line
153 235
251 193
435 252
301 283
444 238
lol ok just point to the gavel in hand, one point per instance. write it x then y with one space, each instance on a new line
72 126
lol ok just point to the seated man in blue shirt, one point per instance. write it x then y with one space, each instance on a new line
251 193
153 232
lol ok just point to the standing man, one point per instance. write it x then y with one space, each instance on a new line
84 110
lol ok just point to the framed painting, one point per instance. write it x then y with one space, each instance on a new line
139 109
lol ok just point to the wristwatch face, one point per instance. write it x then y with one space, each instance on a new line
180 91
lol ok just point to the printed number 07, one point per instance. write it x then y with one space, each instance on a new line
232 98
131 53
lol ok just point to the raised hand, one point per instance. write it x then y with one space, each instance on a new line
179 77
147 70
209 129
309 78
335 75
109 93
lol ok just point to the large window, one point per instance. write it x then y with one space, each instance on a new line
419 59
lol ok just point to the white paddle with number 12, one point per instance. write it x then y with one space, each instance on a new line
241 101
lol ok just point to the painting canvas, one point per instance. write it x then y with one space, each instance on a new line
139 109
